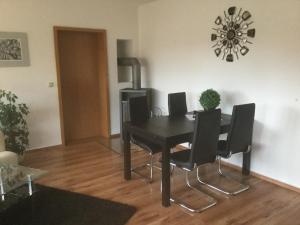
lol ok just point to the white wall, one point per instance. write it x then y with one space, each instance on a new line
37 18
176 48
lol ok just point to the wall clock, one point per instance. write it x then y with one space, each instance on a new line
233 34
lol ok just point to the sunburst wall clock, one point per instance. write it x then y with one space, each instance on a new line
233 34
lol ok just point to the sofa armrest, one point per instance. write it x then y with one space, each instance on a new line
8 157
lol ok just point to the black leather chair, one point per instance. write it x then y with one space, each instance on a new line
177 104
239 140
203 151
139 113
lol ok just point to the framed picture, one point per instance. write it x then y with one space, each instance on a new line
13 49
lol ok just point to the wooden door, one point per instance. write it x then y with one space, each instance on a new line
82 77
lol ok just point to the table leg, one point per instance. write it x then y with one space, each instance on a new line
165 176
127 155
246 163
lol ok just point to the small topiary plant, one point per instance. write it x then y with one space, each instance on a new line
210 99
13 123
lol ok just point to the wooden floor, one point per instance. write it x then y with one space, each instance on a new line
95 170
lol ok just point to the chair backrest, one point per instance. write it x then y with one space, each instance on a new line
206 136
241 128
177 104
138 109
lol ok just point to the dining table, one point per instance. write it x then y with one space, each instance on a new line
168 132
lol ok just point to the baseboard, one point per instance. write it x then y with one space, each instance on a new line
46 148
263 177
115 136
228 164
81 141
180 147
254 174
84 140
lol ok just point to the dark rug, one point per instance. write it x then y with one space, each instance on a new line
50 206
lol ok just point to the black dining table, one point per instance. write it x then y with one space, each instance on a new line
168 132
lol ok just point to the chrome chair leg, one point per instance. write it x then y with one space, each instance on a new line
150 165
211 201
219 166
220 172
172 169
153 166
2 192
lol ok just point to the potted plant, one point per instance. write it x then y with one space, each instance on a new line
13 123
210 99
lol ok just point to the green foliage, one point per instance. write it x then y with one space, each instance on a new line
13 123
210 99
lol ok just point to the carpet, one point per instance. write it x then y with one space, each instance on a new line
51 206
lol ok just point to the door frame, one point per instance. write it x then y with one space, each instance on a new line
56 30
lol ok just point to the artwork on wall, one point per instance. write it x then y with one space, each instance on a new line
13 49
233 34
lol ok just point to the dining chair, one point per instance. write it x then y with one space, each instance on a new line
139 113
177 104
203 151
239 140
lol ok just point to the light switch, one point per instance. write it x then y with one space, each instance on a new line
51 84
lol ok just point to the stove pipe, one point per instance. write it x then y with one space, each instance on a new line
136 70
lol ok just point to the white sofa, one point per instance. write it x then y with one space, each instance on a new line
6 156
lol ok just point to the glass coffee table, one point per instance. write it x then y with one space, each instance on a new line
13 177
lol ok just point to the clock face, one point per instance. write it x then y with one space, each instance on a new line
232 34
